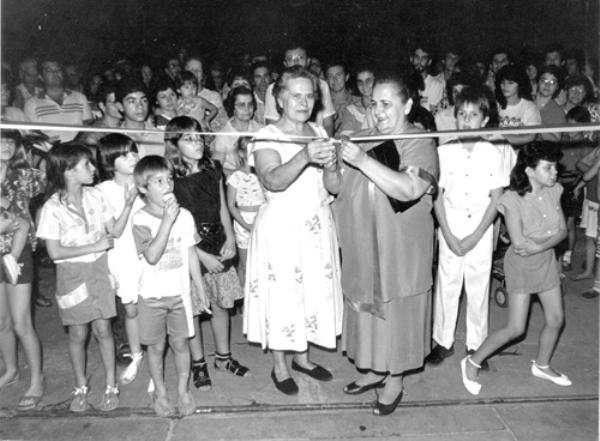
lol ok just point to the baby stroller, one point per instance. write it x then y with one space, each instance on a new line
500 293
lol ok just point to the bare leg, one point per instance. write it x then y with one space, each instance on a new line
220 327
241 269
518 307
554 318
182 363
590 250
103 333
196 342
393 386
155 365
77 337
132 327
20 309
8 341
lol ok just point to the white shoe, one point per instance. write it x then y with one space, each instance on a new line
561 380
151 387
473 387
131 371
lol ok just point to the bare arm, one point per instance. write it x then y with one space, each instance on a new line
117 226
157 245
56 251
210 108
228 248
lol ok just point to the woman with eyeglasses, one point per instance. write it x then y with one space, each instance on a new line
549 85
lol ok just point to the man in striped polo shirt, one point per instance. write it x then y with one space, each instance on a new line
56 104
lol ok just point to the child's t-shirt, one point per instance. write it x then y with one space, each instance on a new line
170 276
249 192
468 176
192 107
60 220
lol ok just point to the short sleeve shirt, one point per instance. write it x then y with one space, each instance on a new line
249 192
540 214
524 113
60 220
328 109
468 176
170 275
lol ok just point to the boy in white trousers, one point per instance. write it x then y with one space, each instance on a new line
472 178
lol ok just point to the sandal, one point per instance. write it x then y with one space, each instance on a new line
110 399
79 402
29 402
200 375
162 406
230 364
186 405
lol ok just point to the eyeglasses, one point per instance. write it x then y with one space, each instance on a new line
577 90
547 82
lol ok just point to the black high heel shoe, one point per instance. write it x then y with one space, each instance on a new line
381 409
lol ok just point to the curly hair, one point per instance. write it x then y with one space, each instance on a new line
529 156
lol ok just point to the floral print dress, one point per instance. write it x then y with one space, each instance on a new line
293 290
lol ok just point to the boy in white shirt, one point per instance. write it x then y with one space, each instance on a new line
471 181
165 236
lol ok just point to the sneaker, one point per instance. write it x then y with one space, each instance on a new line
438 354
110 399
131 371
79 402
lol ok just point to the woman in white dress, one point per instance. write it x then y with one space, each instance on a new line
293 291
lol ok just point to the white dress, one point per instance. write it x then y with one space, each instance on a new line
123 260
293 289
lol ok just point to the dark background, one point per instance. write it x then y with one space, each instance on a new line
89 32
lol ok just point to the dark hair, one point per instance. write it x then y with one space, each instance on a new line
173 133
259 64
580 80
577 55
334 63
106 89
400 82
233 94
238 72
162 83
19 159
290 73
529 156
556 73
185 76
62 158
475 95
500 50
127 86
555 47
148 166
455 79
579 114
515 74
111 147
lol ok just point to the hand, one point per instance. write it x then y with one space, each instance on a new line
212 263
171 210
352 153
105 243
320 152
228 250
131 193
455 245
527 248
204 303
8 223
468 243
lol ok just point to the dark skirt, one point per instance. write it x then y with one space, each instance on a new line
396 344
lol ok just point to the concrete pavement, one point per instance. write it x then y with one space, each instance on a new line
513 405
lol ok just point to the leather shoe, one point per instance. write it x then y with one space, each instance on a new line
318 372
438 354
356 389
381 409
484 364
287 386
560 380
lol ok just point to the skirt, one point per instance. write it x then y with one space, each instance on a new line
223 289
396 344
531 274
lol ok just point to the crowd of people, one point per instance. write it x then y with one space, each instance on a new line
200 188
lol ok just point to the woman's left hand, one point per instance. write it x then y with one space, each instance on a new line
352 153
228 250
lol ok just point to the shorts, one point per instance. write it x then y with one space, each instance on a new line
161 317
25 262
589 218
84 292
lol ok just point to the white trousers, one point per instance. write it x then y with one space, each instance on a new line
474 269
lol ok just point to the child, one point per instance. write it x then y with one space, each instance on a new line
13 242
189 104
244 198
199 188
471 181
117 156
165 96
536 224
165 237
78 228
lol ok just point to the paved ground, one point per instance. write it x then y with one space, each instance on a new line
513 405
